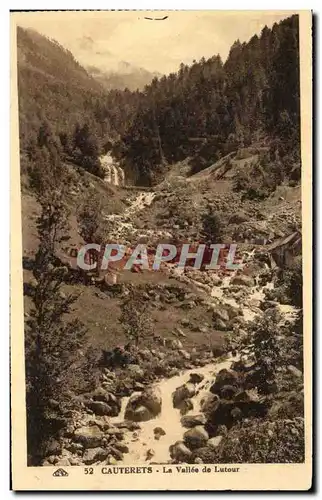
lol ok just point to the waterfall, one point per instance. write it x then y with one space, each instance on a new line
113 173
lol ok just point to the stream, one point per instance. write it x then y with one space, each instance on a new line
143 447
169 419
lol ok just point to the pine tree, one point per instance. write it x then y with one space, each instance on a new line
51 343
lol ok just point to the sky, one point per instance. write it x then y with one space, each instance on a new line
107 40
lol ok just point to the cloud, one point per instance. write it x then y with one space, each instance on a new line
103 39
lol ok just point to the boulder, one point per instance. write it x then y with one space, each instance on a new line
220 325
121 446
159 431
196 378
101 394
228 391
184 354
294 371
139 414
63 462
89 437
196 437
186 405
209 403
95 455
224 377
243 280
144 406
182 393
179 452
217 351
220 313
214 442
100 408
173 343
204 455
136 372
190 421
227 413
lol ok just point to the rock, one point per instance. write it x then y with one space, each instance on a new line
224 377
138 386
196 378
112 460
122 447
54 447
228 391
115 431
100 394
227 413
184 354
196 437
95 455
116 453
89 437
63 462
76 461
140 414
100 408
190 421
218 351
204 455
220 313
180 332
173 343
185 322
238 218
243 279
150 454
294 371
136 371
75 447
186 405
201 329
236 414
214 442
188 304
159 430
180 452
144 406
181 393
209 403
220 325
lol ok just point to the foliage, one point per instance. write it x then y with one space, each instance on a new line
135 317
51 343
90 220
211 227
293 283
263 348
210 109
259 441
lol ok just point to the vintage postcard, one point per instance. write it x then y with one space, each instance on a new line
161 194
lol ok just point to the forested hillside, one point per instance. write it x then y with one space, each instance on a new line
210 361
209 109
53 87
203 111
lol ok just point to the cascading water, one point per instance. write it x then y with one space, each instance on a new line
142 442
113 173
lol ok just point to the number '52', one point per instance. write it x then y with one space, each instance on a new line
89 470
